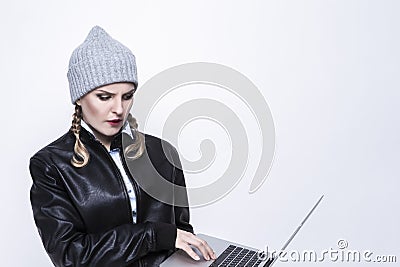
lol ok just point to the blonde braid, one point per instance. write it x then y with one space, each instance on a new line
81 155
136 149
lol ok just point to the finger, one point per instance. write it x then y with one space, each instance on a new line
184 238
190 252
209 250
204 248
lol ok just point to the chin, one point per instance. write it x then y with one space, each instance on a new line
108 132
113 132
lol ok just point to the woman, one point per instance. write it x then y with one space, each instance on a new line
87 205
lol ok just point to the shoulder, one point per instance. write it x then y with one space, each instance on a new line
160 148
61 147
155 142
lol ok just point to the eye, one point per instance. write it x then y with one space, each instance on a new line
127 96
103 97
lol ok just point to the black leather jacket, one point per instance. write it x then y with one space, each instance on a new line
83 214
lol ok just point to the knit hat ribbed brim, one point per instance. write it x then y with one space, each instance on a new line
98 61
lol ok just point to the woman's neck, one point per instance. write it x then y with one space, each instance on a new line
103 139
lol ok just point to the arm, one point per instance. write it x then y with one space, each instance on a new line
182 216
185 236
63 231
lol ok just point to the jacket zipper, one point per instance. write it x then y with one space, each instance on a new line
136 189
134 184
119 175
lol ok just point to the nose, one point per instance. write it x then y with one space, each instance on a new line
117 106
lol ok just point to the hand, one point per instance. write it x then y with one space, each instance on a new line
185 239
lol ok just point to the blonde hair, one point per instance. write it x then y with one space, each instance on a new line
81 155
136 149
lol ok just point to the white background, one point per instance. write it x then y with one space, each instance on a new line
329 71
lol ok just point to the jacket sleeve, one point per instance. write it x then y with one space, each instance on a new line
181 212
63 232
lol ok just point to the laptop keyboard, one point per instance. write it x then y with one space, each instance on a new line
237 256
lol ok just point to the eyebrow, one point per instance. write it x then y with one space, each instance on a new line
104 91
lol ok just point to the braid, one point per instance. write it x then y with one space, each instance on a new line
81 155
136 149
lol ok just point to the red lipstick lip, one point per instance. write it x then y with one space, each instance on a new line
114 122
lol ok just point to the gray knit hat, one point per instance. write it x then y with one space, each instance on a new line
98 61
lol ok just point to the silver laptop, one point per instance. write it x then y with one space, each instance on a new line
229 253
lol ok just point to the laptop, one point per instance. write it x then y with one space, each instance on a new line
231 254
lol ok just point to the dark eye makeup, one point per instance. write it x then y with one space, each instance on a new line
128 96
103 97
106 96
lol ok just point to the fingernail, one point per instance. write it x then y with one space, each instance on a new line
197 258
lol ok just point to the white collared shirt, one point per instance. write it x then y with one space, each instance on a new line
114 153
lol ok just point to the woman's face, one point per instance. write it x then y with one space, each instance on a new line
106 108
